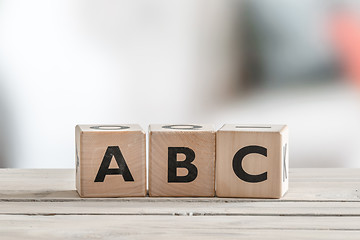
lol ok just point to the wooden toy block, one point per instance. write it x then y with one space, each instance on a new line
110 160
181 160
252 161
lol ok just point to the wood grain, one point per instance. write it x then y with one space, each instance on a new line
177 227
201 141
314 184
182 207
271 161
93 143
43 204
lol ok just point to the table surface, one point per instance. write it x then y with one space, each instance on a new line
43 204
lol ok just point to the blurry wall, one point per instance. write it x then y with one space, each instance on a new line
161 61
69 62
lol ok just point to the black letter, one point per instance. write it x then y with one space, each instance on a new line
173 164
104 167
237 164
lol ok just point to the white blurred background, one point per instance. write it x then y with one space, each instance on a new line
190 61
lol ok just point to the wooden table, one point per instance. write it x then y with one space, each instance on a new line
43 204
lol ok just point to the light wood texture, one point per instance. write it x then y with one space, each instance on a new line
306 185
262 160
177 227
118 143
198 138
43 204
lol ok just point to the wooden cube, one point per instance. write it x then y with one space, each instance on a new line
252 161
110 160
181 160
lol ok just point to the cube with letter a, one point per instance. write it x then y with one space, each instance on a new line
252 161
181 160
110 160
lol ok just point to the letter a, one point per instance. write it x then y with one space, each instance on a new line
113 151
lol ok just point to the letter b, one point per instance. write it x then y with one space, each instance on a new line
173 164
181 160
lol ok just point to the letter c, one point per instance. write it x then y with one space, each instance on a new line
237 164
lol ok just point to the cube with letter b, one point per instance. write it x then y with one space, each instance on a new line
181 160
110 160
252 161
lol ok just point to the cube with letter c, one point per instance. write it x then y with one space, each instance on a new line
252 161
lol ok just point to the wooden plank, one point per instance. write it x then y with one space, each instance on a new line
325 173
59 184
173 208
43 204
179 227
